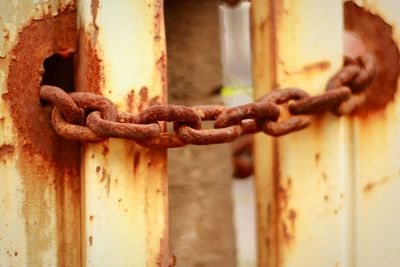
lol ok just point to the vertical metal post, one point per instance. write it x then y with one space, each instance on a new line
302 179
39 172
122 56
377 166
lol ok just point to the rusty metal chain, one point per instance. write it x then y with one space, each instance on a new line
89 117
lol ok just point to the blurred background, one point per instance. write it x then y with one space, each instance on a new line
211 213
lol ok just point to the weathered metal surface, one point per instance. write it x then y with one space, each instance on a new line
301 184
375 187
122 56
40 187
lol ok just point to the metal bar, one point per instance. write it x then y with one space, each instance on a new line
123 57
302 180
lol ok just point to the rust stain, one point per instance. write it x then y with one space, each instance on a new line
90 240
105 150
369 187
136 162
172 260
326 198
46 162
98 168
143 98
130 100
285 236
273 231
318 66
292 216
161 66
287 215
324 176
317 158
91 217
94 7
157 158
155 101
6 150
105 176
6 34
90 70
158 20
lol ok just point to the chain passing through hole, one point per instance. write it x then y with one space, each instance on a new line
88 117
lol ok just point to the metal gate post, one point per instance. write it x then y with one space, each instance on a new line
122 56
377 166
39 172
303 179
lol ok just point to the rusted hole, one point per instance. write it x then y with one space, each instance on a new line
376 35
59 71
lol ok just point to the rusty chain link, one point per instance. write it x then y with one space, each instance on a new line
89 117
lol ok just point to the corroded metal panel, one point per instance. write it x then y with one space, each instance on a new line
39 172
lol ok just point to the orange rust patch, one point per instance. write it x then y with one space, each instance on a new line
6 150
89 75
369 187
318 66
143 98
46 162
130 100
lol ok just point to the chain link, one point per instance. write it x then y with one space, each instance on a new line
89 117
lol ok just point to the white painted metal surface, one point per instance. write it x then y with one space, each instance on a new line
302 179
330 194
125 186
